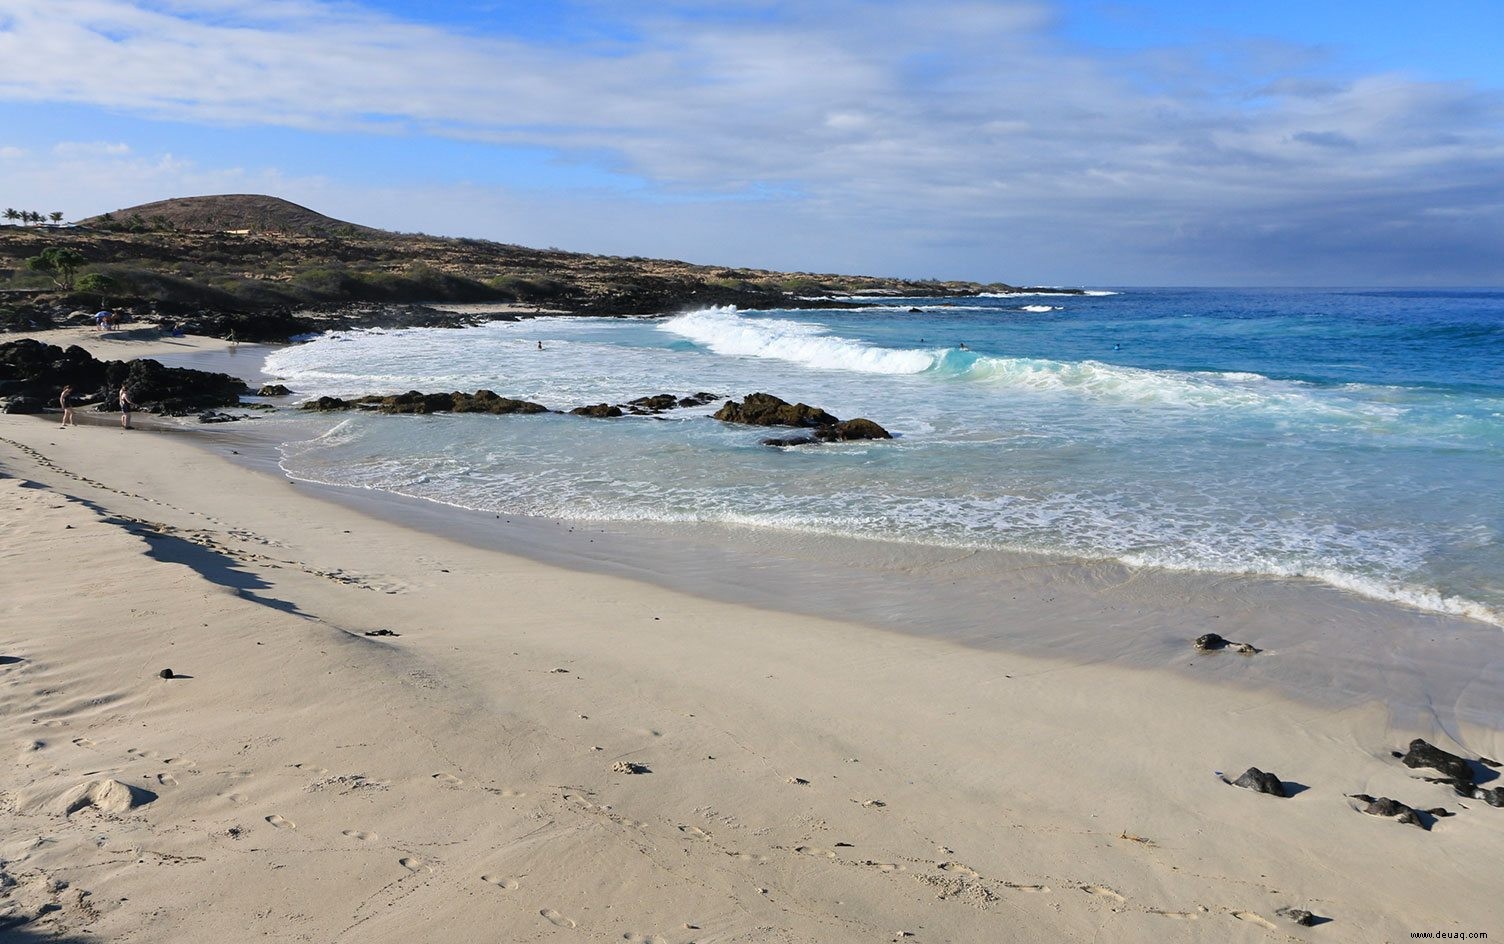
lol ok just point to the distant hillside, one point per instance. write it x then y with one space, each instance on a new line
264 263
230 212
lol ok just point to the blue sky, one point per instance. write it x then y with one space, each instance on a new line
1099 142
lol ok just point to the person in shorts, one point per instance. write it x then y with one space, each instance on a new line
125 408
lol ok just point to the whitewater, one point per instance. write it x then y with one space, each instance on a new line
1354 438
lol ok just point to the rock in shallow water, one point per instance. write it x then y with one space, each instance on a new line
599 410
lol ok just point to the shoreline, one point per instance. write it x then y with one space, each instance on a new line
803 778
1324 644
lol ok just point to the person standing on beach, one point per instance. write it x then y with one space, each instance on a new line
64 401
125 408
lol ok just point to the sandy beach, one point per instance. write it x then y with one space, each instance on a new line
126 343
535 753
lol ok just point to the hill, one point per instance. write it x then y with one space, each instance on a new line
233 212
269 268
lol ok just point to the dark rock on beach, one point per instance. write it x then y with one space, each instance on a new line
272 390
22 405
1454 768
1404 813
213 416
31 368
1297 915
1261 782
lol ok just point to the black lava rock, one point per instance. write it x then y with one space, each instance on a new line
1260 782
1453 767
1298 915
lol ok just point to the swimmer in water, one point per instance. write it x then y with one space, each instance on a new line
963 346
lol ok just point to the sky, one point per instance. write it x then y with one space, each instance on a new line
1056 142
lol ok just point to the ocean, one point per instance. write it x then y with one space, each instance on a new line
1353 437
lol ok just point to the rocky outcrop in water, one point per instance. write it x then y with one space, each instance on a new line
646 406
764 409
1211 642
599 411
481 401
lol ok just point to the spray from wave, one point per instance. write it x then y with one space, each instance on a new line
726 332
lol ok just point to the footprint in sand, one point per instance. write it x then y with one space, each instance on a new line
413 864
884 866
449 779
234 797
1103 891
1175 915
636 938
1039 889
510 884
310 769
1252 918
83 742
179 761
694 832
748 857
167 780
815 851
958 869
280 822
140 753
360 834
558 920
505 792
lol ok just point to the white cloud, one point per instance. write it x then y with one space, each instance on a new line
946 130
86 148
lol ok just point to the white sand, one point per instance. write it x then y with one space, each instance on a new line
125 343
808 780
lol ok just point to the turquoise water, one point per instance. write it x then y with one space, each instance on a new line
1353 437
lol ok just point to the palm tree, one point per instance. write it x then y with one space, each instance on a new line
11 213
56 216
